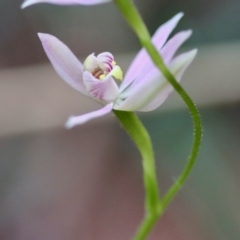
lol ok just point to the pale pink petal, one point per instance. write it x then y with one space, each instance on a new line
159 39
73 121
171 47
64 2
150 94
167 53
106 89
105 57
161 35
179 70
91 63
64 61
105 61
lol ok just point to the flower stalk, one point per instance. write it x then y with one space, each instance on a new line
129 11
140 136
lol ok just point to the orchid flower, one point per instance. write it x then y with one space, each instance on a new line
143 88
27 3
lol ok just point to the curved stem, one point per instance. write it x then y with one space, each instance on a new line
146 227
140 136
132 16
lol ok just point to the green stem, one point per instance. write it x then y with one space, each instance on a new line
146 227
140 136
132 16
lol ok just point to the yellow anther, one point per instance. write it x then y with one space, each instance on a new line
113 63
101 77
117 73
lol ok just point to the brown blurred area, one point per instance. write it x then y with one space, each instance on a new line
86 183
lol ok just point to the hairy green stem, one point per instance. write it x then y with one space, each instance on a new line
132 16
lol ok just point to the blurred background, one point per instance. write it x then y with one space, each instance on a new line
86 183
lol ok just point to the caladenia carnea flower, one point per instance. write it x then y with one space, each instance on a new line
143 88
27 3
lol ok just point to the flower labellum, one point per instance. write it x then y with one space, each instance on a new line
27 3
102 65
144 88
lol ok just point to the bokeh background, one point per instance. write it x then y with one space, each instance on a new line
86 183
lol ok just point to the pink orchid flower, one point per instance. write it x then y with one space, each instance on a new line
27 3
144 88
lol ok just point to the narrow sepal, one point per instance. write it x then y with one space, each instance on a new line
77 120
64 61
142 58
63 2
148 95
